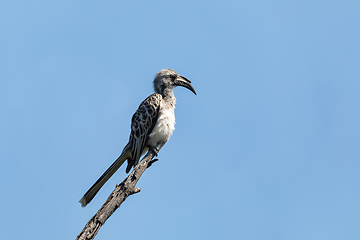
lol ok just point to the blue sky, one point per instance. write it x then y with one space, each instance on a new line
268 149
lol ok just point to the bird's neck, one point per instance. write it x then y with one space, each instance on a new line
168 96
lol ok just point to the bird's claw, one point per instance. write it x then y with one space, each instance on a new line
151 162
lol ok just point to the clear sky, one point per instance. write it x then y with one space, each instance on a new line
268 149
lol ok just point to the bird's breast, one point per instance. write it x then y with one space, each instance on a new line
163 128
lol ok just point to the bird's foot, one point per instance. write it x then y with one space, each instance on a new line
155 150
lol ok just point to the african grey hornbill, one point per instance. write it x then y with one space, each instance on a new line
151 126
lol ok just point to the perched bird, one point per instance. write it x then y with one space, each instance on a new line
151 126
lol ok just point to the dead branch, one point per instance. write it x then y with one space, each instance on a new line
117 197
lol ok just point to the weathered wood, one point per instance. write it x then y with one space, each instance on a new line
117 197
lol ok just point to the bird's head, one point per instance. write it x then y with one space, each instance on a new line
168 79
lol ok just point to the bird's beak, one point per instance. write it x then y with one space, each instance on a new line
184 82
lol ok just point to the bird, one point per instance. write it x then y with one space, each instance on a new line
151 126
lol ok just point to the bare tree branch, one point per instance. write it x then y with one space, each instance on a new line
117 197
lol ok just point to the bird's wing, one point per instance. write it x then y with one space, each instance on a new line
142 123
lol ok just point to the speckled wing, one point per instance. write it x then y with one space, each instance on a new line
142 123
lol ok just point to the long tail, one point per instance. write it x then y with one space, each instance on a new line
90 194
